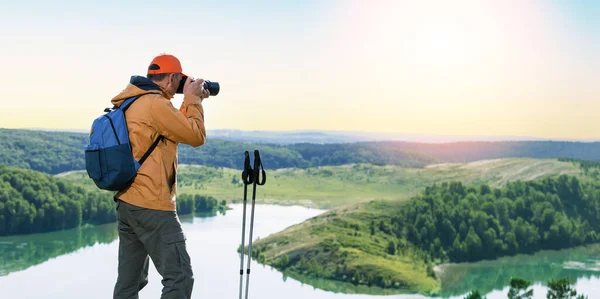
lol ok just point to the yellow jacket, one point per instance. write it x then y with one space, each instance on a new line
150 116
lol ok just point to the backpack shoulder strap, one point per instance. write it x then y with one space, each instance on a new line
124 106
149 151
130 101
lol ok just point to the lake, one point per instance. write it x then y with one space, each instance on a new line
82 263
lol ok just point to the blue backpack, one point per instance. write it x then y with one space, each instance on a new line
109 160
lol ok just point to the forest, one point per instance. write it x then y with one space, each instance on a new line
458 223
33 202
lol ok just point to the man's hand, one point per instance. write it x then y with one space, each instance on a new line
195 88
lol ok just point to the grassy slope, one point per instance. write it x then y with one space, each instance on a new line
350 227
333 186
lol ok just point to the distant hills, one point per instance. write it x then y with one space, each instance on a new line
55 152
324 137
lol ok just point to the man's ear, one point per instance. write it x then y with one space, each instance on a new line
173 79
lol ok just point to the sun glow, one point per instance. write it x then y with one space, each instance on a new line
441 46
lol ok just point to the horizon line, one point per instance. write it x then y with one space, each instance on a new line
395 136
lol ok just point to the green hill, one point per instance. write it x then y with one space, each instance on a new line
332 186
33 202
49 152
396 244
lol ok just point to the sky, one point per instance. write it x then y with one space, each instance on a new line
518 68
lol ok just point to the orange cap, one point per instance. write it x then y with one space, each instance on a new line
164 63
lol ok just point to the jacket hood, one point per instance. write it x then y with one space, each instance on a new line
137 85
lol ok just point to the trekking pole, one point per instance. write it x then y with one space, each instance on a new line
257 164
247 178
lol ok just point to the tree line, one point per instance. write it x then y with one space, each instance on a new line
56 152
200 205
591 168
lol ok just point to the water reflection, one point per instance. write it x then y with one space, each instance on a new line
21 252
339 286
486 276
213 241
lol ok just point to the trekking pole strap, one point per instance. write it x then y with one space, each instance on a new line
257 164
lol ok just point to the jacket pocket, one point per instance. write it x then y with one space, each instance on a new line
92 162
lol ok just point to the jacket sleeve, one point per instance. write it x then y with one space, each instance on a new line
185 125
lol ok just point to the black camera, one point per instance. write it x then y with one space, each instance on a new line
212 87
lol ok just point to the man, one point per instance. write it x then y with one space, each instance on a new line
148 224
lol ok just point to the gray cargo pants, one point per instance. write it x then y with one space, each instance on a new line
144 234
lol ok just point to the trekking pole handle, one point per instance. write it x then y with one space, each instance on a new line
257 165
248 172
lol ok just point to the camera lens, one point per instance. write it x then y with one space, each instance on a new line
212 87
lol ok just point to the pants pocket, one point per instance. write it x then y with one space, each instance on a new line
177 259
175 265
176 242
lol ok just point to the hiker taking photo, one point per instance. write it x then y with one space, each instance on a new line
146 212
133 150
